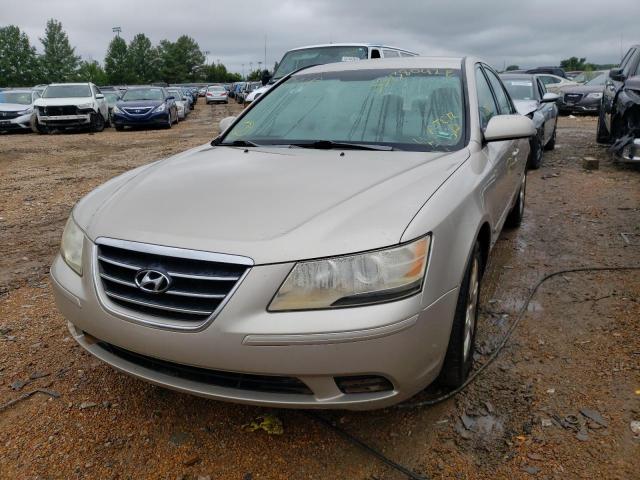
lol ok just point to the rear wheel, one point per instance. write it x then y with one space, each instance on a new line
535 153
459 357
602 135
514 219
551 144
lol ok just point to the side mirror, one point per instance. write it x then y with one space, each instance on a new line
616 74
170 97
509 127
550 98
225 123
99 96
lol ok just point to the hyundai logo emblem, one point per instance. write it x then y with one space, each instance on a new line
153 281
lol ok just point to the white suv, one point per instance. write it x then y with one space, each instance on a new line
72 105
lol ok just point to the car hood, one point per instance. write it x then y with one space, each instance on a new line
271 204
55 102
258 91
13 107
525 107
139 103
583 89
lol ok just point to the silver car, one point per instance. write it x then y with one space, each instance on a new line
325 251
16 109
216 94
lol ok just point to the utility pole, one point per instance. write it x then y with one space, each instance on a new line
243 71
116 30
265 51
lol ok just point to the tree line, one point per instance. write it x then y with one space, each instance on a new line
574 64
136 62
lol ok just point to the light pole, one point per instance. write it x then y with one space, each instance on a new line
116 30
243 71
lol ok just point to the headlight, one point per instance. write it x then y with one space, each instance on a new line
595 95
85 106
160 108
116 109
71 246
362 279
26 112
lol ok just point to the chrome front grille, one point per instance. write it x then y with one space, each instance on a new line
199 282
137 110
572 97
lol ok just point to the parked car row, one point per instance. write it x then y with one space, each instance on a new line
64 106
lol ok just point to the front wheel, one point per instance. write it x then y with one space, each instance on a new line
97 122
459 357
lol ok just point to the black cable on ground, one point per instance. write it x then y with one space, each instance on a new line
366 447
433 401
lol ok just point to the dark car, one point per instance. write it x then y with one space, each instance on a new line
619 115
550 70
145 106
583 98
531 98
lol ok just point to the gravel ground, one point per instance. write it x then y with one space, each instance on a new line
557 404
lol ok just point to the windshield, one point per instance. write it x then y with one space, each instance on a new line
216 88
519 89
587 76
417 109
138 94
112 98
22 98
296 59
66 91
598 81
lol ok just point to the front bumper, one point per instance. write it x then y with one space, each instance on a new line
22 122
65 120
123 119
583 106
401 341
631 152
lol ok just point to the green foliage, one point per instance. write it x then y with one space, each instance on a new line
59 62
18 61
255 76
144 60
91 71
137 63
116 64
511 68
181 61
574 63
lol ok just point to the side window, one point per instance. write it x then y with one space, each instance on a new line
96 90
486 103
504 104
375 53
548 79
390 53
627 57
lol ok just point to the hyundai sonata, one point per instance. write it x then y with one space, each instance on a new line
325 251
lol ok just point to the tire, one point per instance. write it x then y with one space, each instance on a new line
38 127
97 122
535 155
551 144
459 357
602 135
514 219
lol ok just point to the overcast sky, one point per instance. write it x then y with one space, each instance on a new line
526 33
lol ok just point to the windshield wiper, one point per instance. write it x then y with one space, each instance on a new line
330 144
240 143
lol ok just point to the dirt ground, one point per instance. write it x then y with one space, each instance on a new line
557 404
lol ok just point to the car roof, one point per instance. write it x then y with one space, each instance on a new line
69 83
351 44
384 63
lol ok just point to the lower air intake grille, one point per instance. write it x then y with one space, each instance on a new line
165 286
241 381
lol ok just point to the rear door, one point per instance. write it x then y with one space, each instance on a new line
549 111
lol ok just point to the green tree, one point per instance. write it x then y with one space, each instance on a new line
116 63
18 60
510 68
91 71
181 61
573 63
143 59
59 62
